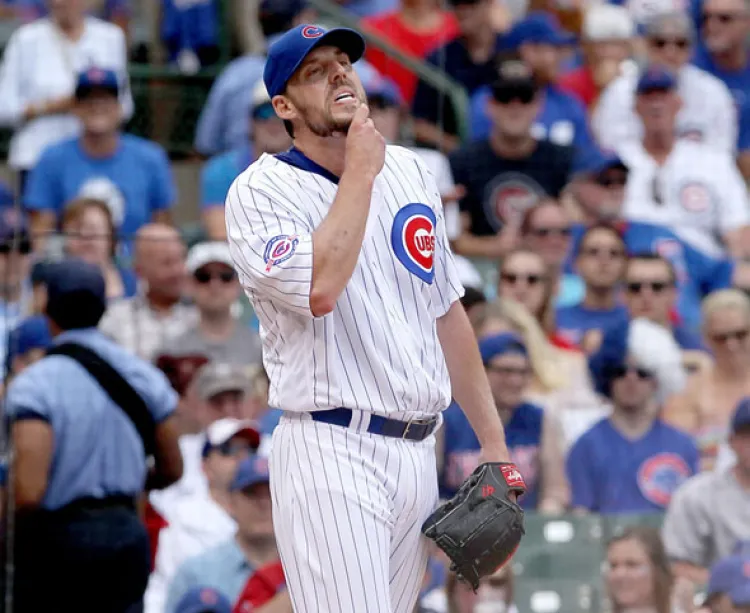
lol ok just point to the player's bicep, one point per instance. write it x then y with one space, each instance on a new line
271 246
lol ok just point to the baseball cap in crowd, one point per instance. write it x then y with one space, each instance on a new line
500 344
260 103
538 27
208 253
203 600
380 90
14 231
95 79
217 377
76 294
655 78
741 417
598 162
287 54
740 596
514 80
251 471
605 22
223 430
726 574
31 333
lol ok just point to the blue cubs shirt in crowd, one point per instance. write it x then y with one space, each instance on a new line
523 435
574 321
697 273
189 25
219 173
611 474
738 83
135 182
561 120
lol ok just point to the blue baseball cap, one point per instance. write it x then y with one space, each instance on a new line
287 54
741 417
601 161
31 333
76 294
375 85
251 471
538 27
500 344
727 574
740 596
97 78
203 600
656 78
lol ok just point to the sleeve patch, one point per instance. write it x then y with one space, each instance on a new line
279 249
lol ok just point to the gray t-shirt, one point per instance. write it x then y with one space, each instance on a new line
705 519
243 347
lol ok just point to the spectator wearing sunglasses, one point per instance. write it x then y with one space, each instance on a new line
725 25
705 409
203 521
707 114
508 172
687 186
267 135
215 289
631 461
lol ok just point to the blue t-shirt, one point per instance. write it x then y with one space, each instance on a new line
561 120
611 474
574 321
136 181
738 83
697 273
219 172
523 435
189 25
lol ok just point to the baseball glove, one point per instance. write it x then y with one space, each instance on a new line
480 528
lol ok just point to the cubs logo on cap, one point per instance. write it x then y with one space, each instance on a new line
660 475
312 32
413 240
279 249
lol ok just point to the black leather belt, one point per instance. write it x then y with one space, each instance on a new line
414 430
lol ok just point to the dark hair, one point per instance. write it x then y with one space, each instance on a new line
601 226
472 297
530 213
77 208
650 539
75 310
647 256
289 128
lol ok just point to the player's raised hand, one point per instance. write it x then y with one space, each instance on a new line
365 146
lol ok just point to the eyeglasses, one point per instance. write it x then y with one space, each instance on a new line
204 277
513 278
657 287
595 252
545 232
724 337
679 43
508 370
722 18
618 372
505 94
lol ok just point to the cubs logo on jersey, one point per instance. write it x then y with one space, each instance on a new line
413 240
695 197
510 196
279 249
660 475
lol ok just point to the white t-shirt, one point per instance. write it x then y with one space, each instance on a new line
698 193
708 112
40 64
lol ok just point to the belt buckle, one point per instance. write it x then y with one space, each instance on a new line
414 422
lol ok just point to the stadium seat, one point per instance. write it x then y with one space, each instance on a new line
555 596
615 524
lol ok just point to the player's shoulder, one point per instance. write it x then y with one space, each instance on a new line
400 154
266 170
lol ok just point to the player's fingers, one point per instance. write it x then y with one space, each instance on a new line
361 114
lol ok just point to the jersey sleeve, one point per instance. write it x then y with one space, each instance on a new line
271 245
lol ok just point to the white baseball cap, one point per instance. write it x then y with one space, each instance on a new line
259 95
207 253
607 22
223 430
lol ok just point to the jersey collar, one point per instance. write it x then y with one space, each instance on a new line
294 157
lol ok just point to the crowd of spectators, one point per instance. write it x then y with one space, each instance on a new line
598 209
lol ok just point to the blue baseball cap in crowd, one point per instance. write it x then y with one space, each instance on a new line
376 86
599 162
741 417
500 344
203 600
31 333
251 471
740 596
76 294
97 78
287 54
727 574
540 28
656 78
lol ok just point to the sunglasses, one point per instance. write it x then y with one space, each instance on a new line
679 43
513 278
618 372
204 277
508 371
657 287
22 246
612 181
722 18
233 447
545 232
724 337
595 252
505 94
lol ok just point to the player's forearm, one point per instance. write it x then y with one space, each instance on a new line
471 390
337 242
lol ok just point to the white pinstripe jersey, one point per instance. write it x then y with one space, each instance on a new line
378 349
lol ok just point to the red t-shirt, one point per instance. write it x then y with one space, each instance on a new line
418 44
580 83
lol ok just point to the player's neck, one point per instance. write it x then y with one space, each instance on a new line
632 423
732 59
599 299
100 145
328 152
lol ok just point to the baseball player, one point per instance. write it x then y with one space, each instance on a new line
340 245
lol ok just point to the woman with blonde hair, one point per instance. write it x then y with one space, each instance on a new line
705 408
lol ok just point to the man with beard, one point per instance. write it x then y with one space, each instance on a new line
340 244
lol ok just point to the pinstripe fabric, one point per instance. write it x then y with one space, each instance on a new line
348 507
378 350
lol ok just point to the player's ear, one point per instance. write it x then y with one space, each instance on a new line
284 107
